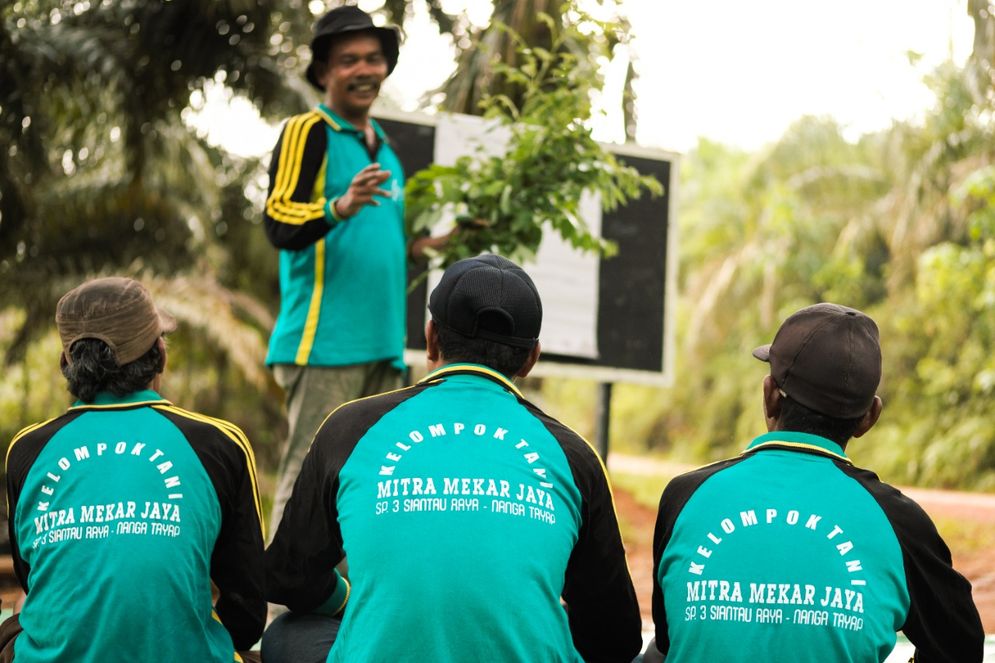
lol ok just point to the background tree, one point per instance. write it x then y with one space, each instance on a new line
480 48
897 223
101 173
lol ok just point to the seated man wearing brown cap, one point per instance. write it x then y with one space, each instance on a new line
789 552
477 527
126 511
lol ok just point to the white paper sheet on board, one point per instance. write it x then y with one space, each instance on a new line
567 279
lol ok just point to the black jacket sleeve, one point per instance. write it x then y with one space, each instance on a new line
665 517
22 452
293 216
300 562
943 622
675 497
601 602
237 558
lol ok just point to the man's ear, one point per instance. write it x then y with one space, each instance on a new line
320 69
530 361
432 355
772 403
161 342
870 417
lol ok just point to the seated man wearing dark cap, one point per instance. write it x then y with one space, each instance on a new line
477 527
126 511
789 552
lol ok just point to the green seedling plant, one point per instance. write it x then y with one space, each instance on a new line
505 203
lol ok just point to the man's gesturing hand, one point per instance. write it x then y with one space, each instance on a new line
364 186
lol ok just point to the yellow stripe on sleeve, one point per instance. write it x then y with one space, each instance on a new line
24 431
288 154
235 434
295 172
608 482
279 205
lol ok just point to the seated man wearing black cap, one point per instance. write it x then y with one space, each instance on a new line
789 552
126 511
477 527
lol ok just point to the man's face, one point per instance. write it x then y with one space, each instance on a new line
356 67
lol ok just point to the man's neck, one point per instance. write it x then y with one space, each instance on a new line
442 363
359 120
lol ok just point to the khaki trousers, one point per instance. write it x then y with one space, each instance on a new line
312 392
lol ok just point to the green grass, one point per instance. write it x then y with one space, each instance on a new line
644 488
965 536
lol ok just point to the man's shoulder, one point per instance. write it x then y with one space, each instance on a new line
902 511
201 429
362 413
563 433
309 123
37 430
309 115
29 439
198 420
699 474
383 401
578 450
680 489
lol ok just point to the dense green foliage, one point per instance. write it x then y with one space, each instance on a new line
100 172
899 224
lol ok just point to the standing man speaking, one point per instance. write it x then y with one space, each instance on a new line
335 210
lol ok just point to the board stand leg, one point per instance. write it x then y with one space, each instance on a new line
603 410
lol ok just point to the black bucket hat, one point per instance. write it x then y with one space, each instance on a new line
345 20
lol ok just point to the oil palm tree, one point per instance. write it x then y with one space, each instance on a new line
100 173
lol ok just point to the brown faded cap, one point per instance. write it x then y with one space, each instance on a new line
828 358
119 311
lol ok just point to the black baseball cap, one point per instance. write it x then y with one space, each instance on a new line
488 297
828 358
346 20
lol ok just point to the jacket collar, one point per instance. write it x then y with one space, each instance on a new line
794 441
478 370
336 122
105 400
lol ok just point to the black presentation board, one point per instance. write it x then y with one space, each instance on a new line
632 317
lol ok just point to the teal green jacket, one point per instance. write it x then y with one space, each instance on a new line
122 514
790 553
342 282
465 514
